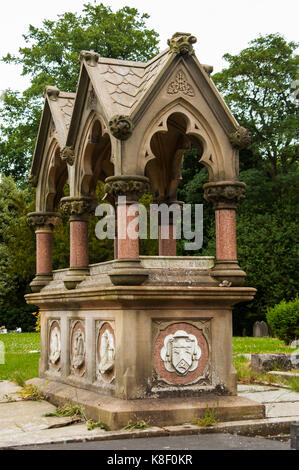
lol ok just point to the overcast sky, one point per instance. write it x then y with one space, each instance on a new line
220 25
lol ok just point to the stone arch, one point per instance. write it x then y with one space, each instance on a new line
175 129
54 175
95 156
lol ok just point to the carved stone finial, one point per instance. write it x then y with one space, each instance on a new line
52 92
78 207
224 194
121 127
240 138
67 155
42 219
181 43
33 180
208 68
90 57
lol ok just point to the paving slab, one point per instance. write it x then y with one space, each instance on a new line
281 395
8 391
275 410
24 417
245 388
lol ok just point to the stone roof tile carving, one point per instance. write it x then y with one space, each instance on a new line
122 83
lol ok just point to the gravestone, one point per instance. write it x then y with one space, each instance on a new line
260 329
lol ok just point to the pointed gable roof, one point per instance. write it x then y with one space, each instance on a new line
58 109
123 87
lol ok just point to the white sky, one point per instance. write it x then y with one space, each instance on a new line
220 25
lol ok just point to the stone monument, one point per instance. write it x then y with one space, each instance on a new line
146 337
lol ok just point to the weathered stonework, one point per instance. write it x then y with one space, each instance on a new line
181 354
106 351
131 187
180 84
181 43
91 58
78 207
224 193
67 155
41 219
54 346
121 127
138 334
240 138
78 348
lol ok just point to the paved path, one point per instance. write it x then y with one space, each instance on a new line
22 424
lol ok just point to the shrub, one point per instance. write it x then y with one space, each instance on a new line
18 315
283 319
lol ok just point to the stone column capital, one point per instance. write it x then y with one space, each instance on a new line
224 194
78 208
133 187
41 220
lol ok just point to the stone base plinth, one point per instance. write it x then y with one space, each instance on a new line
116 413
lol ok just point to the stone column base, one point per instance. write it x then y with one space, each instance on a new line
229 273
40 281
128 272
74 277
116 413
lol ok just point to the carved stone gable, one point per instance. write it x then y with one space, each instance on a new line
180 85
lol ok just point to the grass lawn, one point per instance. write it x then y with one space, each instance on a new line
250 345
19 364
18 361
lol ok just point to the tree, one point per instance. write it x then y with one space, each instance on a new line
257 87
51 58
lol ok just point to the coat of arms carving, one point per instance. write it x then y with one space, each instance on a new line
180 352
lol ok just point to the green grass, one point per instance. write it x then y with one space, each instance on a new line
19 364
259 346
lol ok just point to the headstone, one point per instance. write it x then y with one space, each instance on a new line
260 329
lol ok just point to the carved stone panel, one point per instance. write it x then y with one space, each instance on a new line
105 352
181 354
54 352
78 348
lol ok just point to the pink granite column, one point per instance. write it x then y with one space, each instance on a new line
167 246
44 236
127 247
225 195
78 243
226 240
43 223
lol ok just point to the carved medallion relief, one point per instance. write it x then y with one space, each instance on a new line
78 348
54 345
105 352
181 354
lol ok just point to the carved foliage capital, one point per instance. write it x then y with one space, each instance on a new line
240 138
132 188
44 219
78 207
181 43
224 195
121 127
67 155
